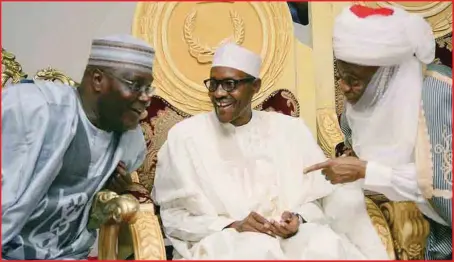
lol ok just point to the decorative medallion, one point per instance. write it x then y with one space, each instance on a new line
438 14
185 36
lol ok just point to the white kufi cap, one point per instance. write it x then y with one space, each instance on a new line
122 51
237 57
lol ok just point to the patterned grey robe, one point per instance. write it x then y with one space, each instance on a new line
53 163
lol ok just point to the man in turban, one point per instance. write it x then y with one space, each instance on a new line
397 123
230 184
61 144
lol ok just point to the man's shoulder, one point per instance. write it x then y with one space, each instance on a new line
40 93
190 125
280 118
440 69
437 89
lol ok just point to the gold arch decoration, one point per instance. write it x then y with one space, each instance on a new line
52 74
202 52
438 14
185 36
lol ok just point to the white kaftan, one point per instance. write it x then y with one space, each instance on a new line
210 174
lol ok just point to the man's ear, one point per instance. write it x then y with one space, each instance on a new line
257 85
97 78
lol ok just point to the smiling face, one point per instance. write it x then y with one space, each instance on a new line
354 79
235 106
120 101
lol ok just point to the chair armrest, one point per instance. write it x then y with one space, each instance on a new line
408 227
384 232
147 236
124 223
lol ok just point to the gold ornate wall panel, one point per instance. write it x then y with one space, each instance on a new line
438 14
186 34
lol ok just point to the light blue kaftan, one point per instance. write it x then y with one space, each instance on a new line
53 162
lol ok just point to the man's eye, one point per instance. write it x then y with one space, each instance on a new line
136 85
213 83
355 83
230 83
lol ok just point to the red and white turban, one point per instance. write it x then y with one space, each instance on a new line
381 36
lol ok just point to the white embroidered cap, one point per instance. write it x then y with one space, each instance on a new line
122 51
237 57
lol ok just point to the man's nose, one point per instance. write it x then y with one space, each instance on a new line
219 92
343 86
145 98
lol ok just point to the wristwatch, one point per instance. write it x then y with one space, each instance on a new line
300 218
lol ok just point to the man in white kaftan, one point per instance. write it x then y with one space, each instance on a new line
218 168
398 123
60 145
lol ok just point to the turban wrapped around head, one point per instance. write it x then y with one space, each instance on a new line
381 36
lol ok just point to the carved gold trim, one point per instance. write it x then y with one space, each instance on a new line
339 96
438 14
329 133
11 69
51 74
443 42
409 229
147 235
202 52
380 224
107 242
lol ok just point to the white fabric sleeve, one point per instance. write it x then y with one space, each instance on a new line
397 184
346 210
186 212
312 213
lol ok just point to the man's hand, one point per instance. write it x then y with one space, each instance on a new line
287 227
253 223
120 179
341 170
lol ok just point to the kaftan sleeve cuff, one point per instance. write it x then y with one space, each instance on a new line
312 212
221 223
377 176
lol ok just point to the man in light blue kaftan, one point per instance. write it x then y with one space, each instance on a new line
60 145
397 121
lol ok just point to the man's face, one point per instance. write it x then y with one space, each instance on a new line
122 98
354 79
232 106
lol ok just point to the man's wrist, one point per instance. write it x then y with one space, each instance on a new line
300 218
362 172
233 225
